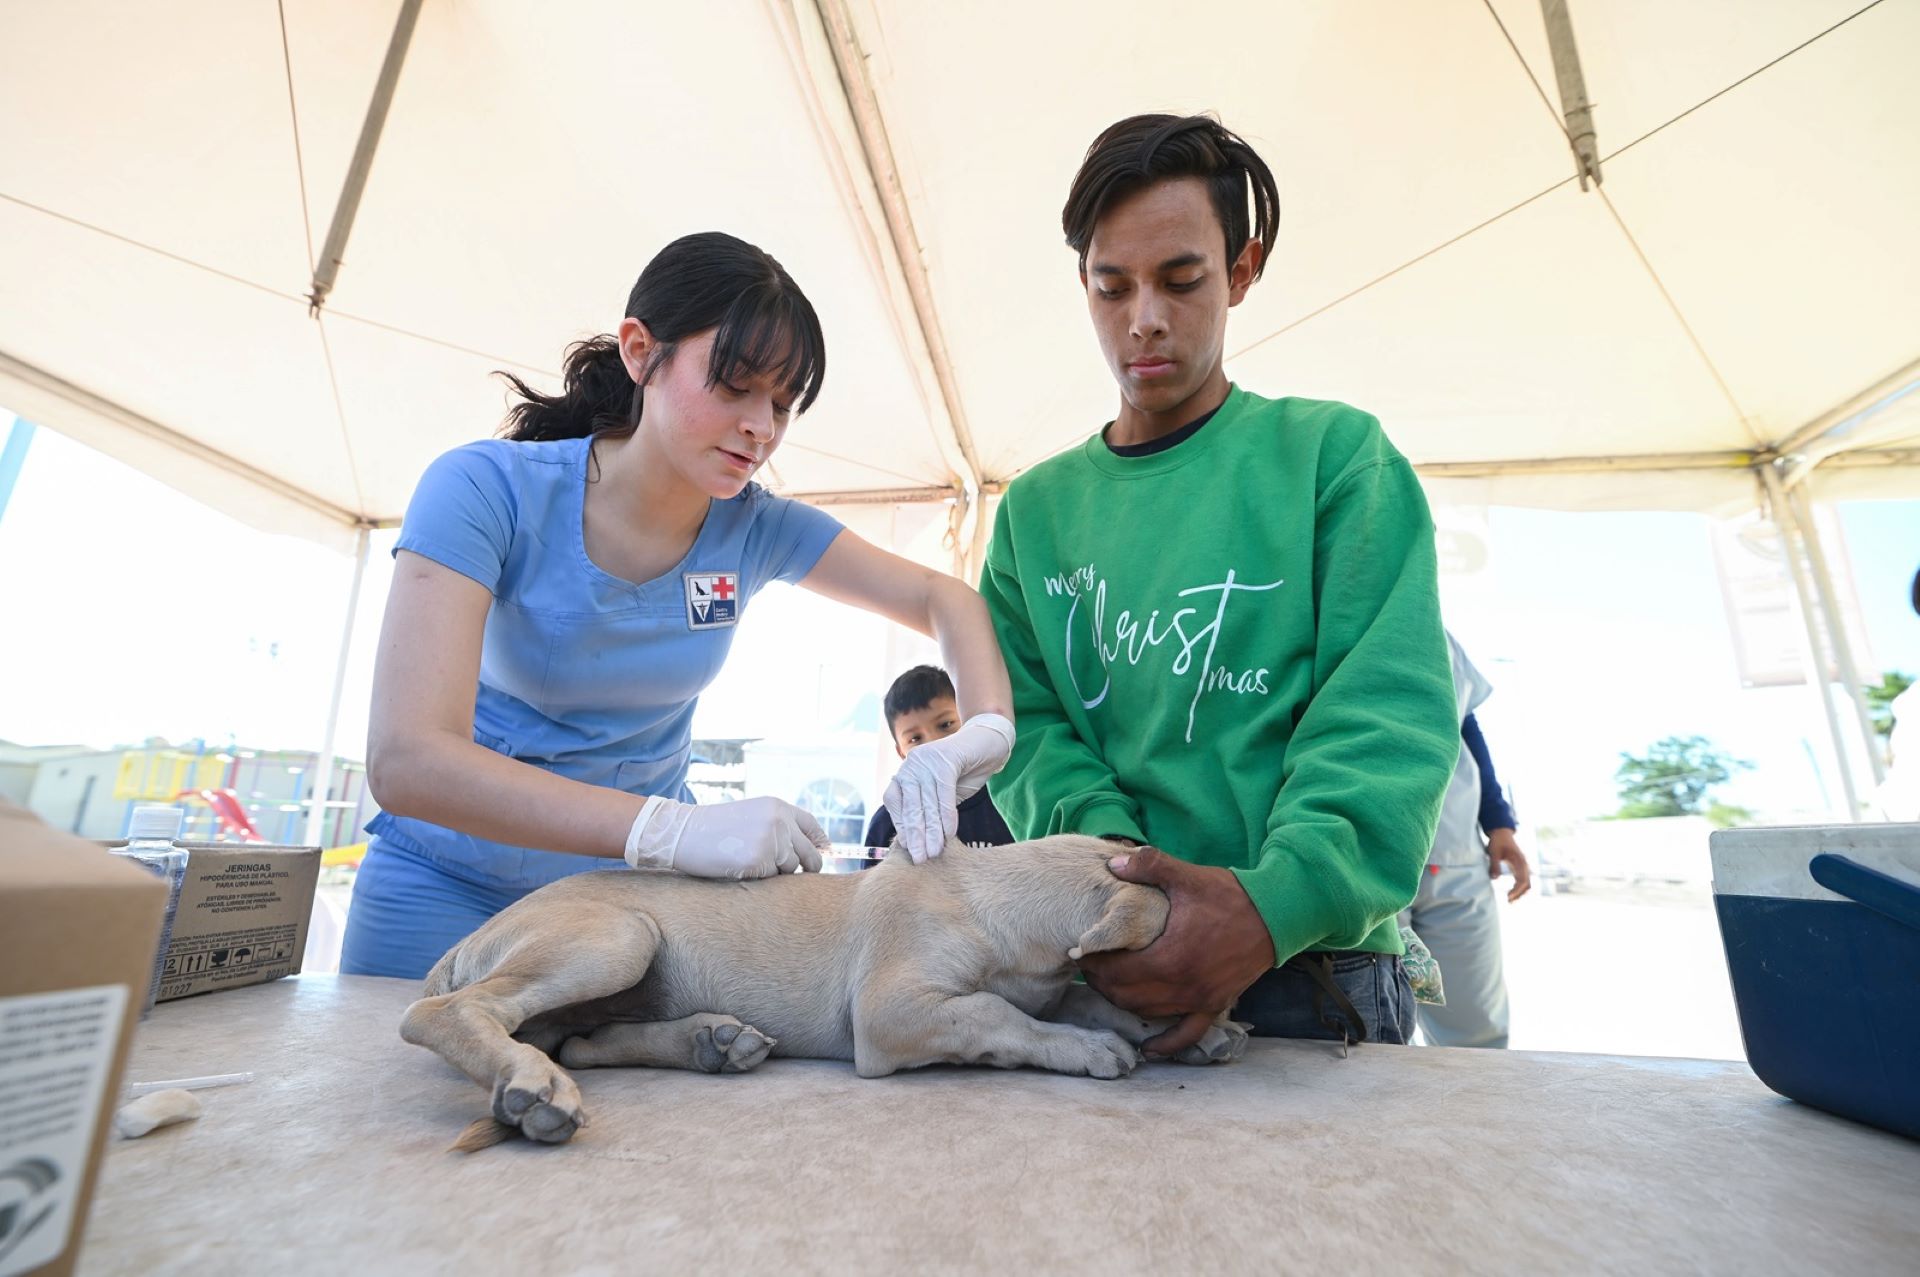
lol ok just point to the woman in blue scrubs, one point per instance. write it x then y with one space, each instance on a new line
563 594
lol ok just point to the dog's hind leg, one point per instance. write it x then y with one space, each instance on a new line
1224 1039
706 1043
603 950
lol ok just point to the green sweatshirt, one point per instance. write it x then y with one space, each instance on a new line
1232 650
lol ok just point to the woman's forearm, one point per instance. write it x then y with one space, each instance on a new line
958 620
467 787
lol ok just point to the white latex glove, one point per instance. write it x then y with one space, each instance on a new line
752 838
935 778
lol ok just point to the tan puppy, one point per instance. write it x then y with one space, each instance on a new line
966 959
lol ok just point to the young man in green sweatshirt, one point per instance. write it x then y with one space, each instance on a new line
1223 624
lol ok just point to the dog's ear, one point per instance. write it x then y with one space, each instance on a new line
1134 918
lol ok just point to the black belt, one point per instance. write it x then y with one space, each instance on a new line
1319 968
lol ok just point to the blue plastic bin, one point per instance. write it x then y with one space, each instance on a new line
1822 932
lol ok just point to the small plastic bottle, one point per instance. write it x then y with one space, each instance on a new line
150 840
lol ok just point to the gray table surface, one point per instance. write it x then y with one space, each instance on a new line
1293 1160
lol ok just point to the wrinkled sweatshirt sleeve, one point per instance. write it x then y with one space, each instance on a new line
1364 774
1054 782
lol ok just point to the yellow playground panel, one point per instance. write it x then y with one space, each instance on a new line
169 775
343 857
159 775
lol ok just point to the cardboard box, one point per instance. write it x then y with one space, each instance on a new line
243 916
78 929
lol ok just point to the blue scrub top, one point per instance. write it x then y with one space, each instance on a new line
582 673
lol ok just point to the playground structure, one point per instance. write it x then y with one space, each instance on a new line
229 816
245 795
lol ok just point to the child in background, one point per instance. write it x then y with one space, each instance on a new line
921 707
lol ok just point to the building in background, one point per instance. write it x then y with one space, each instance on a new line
239 794
833 777
230 794
717 769
19 764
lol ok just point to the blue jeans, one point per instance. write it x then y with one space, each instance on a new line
1282 1003
407 912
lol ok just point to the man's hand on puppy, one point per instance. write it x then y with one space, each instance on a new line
1215 945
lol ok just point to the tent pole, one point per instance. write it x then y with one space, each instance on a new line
982 533
1576 111
1844 418
956 540
1783 521
323 768
882 171
1836 627
327 269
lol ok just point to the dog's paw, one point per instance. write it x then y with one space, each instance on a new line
1221 1043
1097 1053
542 1101
730 1047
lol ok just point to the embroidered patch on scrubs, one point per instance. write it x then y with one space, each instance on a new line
713 599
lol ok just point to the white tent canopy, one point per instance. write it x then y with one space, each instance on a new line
1734 308
1745 281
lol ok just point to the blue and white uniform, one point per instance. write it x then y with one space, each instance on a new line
582 673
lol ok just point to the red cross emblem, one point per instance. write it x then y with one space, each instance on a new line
713 599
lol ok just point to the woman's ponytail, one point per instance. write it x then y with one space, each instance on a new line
596 396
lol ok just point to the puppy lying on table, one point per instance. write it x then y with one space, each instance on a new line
965 959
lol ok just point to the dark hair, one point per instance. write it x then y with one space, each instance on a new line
1144 149
918 688
762 321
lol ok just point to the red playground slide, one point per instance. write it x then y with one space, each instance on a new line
227 812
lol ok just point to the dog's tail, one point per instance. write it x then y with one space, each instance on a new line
484 1133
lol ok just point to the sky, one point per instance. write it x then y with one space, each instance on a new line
133 611
1608 632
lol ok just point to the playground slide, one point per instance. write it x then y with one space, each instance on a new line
227 812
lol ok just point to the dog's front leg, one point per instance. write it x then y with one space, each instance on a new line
896 1031
1081 1005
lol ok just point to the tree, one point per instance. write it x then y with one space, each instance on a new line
1880 699
1674 778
